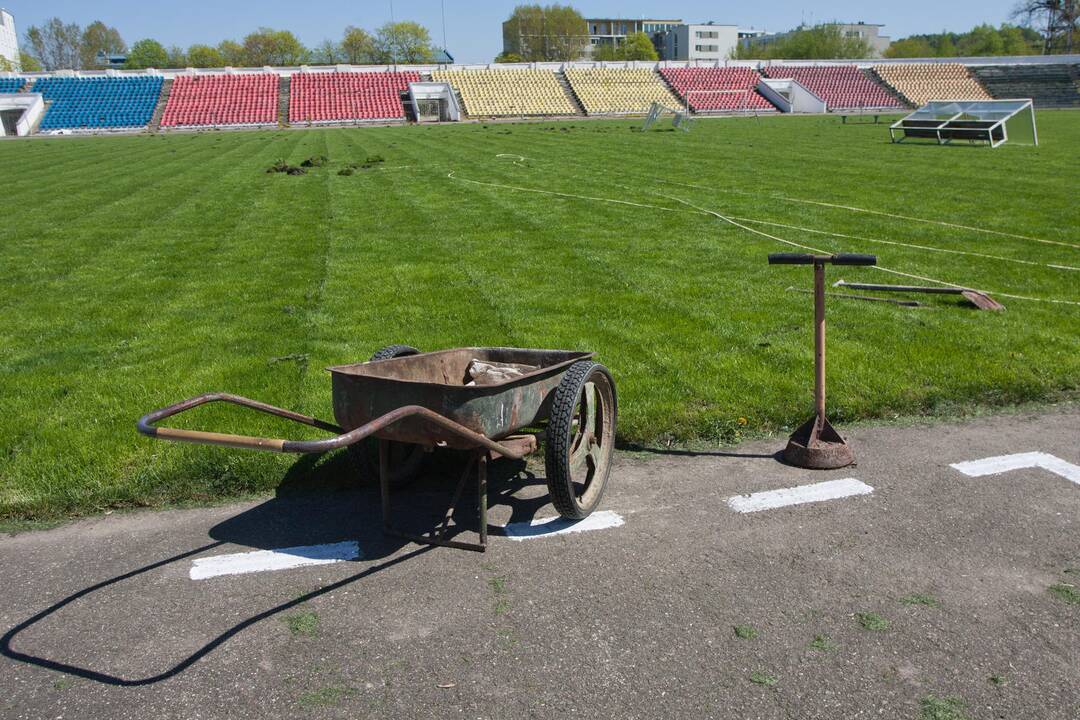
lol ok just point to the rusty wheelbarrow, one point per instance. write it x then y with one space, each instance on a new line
406 403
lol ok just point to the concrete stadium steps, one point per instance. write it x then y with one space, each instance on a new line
159 110
1049 86
284 85
569 90
887 88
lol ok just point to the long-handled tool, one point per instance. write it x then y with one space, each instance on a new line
977 297
816 444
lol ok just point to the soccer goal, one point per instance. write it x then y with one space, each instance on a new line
994 122
681 120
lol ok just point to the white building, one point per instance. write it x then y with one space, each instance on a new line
700 42
9 39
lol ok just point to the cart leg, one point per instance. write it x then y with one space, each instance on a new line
481 490
384 482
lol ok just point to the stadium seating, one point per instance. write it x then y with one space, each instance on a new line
98 102
509 92
718 89
843 87
604 91
222 100
921 83
339 97
11 85
1050 86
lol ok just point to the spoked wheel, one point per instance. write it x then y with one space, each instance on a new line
406 459
580 439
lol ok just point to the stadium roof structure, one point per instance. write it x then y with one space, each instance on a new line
992 121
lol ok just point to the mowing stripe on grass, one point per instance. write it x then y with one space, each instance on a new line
818 492
264 560
548 527
1019 461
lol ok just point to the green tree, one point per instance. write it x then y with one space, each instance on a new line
509 57
327 52
273 47
821 42
982 41
403 42
232 53
913 47
56 44
176 57
99 38
546 33
29 62
637 46
147 53
358 47
204 56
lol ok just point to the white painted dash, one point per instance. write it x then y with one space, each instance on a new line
281 559
1019 461
818 492
547 527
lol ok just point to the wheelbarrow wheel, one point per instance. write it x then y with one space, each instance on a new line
580 439
406 459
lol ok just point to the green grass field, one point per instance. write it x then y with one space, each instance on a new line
136 271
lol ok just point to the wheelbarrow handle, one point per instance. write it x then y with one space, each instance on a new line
147 425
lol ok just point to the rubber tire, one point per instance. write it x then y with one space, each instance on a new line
367 451
560 437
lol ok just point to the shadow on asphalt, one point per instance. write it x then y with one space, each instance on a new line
674 452
317 502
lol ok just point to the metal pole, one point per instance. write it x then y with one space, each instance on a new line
819 341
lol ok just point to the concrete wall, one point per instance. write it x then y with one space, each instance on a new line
9 39
711 43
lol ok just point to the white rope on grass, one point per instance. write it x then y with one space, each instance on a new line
572 196
908 245
879 212
880 268
453 176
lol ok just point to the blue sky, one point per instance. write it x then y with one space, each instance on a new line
473 28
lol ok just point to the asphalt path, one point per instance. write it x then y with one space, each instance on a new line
895 588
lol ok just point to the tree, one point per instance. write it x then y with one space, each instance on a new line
273 47
1058 21
403 42
204 56
29 62
232 53
821 42
358 47
99 39
327 52
912 47
56 44
509 57
545 33
176 57
637 46
147 53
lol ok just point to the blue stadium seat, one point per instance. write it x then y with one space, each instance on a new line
11 85
99 102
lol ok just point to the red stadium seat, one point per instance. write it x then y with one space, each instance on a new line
717 89
843 87
343 97
216 100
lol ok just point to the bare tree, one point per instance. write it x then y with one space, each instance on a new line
56 44
1055 20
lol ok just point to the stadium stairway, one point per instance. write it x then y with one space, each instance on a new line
569 90
1049 86
284 85
159 110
